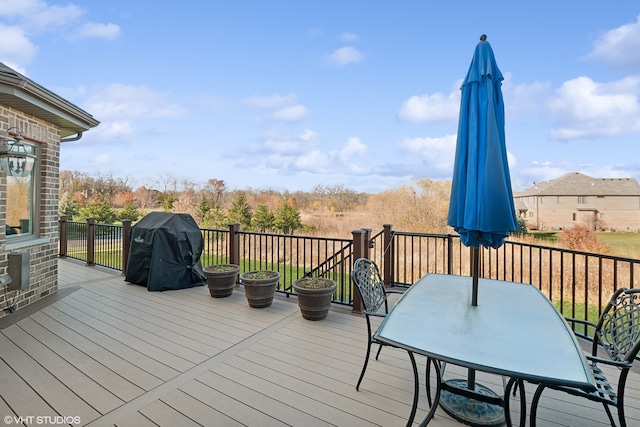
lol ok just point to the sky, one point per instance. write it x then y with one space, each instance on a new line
291 94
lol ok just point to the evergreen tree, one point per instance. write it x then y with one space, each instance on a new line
262 219
100 209
166 200
287 217
68 205
203 209
129 211
215 218
240 211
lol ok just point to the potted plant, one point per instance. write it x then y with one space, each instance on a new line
221 279
314 296
260 287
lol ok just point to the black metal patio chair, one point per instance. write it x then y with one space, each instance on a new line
370 286
618 334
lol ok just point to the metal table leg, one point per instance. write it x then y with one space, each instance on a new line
416 391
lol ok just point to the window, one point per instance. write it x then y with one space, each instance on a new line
573 216
559 201
21 202
582 200
542 200
601 215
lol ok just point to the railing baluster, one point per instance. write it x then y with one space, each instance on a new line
584 279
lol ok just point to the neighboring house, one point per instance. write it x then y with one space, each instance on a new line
601 203
35 121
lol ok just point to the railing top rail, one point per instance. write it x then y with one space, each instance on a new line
418 234
296 236
573 251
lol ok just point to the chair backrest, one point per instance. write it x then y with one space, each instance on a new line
368 281
618 329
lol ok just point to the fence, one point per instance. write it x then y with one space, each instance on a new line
579 283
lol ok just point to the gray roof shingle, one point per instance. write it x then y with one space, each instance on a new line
577 184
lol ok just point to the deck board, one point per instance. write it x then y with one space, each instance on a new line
105 355
225 404
113 353
101 374
73 378
47 386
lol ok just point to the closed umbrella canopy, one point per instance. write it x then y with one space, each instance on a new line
481 208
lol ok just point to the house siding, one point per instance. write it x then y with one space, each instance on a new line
43 248
614 204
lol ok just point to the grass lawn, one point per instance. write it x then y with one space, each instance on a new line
621 244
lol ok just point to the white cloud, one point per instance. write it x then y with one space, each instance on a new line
125 111
37 15
353 147
439 153
98 30
286 144
300 152
348 37
586 109
269 102
15 47
344 56
525 98
102 159
351 157
430 108
123 102
619 47
286 109
33 17
293 113
314 161
115 130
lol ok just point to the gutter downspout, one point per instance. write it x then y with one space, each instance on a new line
72 138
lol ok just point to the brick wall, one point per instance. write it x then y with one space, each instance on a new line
43 248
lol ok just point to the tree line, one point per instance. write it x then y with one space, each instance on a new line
110 199
330 210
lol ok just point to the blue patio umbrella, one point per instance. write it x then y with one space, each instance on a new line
481 207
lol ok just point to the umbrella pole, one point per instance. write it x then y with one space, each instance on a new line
475 256
475 265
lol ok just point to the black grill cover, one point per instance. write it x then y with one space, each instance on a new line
165 252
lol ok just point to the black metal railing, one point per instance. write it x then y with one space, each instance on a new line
299 256
579 283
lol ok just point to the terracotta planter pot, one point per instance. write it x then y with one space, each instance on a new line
314 296
260 287
221 279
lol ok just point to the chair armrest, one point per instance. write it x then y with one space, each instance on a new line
609 362
369 313
580 321
574 321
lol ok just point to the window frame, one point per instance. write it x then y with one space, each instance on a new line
34 201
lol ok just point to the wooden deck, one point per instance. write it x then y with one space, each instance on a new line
103 352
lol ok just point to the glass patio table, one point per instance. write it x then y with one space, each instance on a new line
514 331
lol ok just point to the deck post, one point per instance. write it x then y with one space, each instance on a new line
91 241
234 243
126 244
359 251
62 242
387 256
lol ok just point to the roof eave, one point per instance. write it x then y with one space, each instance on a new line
18 92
